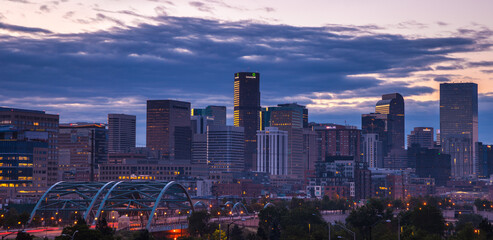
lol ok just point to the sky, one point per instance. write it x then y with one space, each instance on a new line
85 59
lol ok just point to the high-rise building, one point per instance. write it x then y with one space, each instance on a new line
393 105
388 123
225 149
484 155
246 112
82 147
272 156
216 113
459 125
310 150
288 117
377 123
169 129
32 120
23 157
338 140
429 163
372 150
121 133
422 136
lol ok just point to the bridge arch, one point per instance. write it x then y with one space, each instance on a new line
140 201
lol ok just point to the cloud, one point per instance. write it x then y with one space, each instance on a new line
100 18
44 8
194 59
450 67
201 6
20 1
441 79
488 71
16 28
481 64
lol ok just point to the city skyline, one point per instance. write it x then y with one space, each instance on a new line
114 56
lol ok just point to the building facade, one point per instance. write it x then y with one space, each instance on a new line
169 129
422 136
225 149
121 133
216 113
246 112
82 147
23 158
272 156
289 118
459 125
338 140
32 120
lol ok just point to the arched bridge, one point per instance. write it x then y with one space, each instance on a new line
153 205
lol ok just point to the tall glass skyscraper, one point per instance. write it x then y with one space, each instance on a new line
246 112
393 105
459 126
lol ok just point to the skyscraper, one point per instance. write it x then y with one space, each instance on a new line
169 129
82 147
393 105
23 157
289 118
459 126
217 114
33 120
272 148
246 112
225 146
388 123
121 133
338 140
422 136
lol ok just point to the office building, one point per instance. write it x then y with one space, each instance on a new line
484 156
310 150
376 123
338 140
23 157
225 149
372 150
430 163
246 112
393 105
272 156
32 120
216 113
200 123
459 126
121 133
289 118
422 136
82 147
169 129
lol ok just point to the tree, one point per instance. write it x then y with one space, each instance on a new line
429 219
23 236
219 235
365 217
236 233
198 223
143 235
80 231
463 219
269 222
102 226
